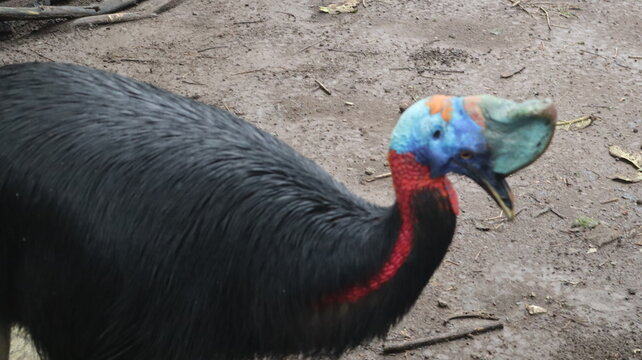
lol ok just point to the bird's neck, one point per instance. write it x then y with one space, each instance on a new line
421 199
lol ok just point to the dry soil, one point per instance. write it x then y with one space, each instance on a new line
260 59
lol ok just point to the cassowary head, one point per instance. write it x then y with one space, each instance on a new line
483 137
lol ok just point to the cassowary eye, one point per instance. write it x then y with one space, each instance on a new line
436 134
466 154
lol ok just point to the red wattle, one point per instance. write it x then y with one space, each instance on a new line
408 177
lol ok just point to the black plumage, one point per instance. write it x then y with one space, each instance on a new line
138 224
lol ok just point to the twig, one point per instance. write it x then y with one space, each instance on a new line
247 72
442 70
609 201
141 61
43 56
558 214
472 315
517 3
620 65
211 48
428 69
396 347
192 82
595 54
311 45
453 262
512 74
542 212
635 57
287 13
248 22
578 120
534 198
322 87
574 320
548 19
377 177
476 256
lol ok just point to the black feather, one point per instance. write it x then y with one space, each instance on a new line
138 224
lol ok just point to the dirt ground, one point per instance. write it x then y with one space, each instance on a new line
260 59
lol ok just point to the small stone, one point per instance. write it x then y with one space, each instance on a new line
403 106
532 294
386 163
591 251
631 291
370 171
442 304
534 309
603 235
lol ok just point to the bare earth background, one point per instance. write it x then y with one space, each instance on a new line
260 59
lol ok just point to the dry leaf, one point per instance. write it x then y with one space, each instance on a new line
633 178
534 309
348 6
577 124
618 152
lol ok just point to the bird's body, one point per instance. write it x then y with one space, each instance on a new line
137 224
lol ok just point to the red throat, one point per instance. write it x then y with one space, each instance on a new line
408 177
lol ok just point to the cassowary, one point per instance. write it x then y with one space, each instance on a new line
138 224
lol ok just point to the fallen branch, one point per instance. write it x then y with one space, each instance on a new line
110 19
122 16
64 12
396 347
46 12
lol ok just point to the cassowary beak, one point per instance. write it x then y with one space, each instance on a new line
495 185
516 135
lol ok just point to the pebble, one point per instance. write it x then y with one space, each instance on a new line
631 291
370 171
442 304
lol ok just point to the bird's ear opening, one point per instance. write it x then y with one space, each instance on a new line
516 133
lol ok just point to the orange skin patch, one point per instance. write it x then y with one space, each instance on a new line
471 106
441 104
